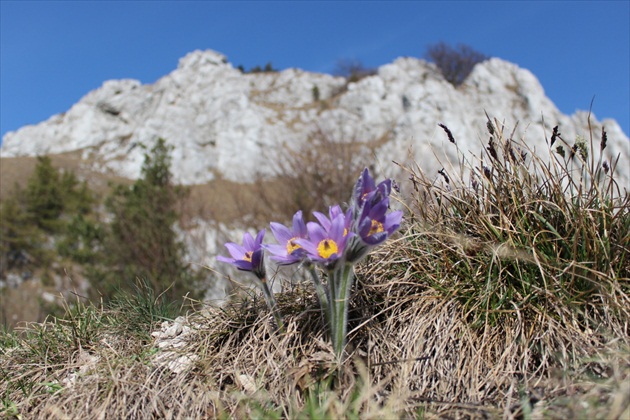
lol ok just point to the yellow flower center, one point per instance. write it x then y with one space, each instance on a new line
377 227
326 248
292 246
248 256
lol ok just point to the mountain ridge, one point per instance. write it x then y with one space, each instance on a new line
227 124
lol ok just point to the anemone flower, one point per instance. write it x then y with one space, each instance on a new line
366 190
288 251
249 256
375 225
325 244
333 212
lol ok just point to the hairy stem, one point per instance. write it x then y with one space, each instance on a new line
343 276
322 293
271 303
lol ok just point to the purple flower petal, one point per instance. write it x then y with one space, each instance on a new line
249 256
288 251
326 241
281 232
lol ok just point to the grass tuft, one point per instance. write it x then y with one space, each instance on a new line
506 294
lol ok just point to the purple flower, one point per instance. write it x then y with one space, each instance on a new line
333 212
375 224
326 242
371 222
366 190
249 256
288 251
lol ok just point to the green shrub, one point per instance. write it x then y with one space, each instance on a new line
316 94
141 241
521 233
47 208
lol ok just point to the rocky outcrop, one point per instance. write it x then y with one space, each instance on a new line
223 123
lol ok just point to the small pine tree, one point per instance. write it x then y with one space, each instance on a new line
36 220
141 242
47 230
19 238
82 241
44 196
315 92
78 198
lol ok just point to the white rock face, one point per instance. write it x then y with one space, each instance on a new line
225 123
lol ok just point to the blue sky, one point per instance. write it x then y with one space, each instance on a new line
52 53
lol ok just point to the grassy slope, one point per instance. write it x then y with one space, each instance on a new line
506 294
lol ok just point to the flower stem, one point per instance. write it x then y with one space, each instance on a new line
271 303
343 277
322 293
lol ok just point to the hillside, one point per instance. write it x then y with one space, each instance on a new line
506 299
231 132
503 292
232 125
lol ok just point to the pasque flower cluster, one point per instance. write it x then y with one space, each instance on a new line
335 242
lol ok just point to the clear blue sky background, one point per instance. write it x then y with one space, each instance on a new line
53 53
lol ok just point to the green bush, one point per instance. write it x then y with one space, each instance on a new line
50 228
523 232
36 223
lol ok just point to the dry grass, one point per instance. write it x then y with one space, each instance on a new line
315 176
507 295
412 352
17 170
219 200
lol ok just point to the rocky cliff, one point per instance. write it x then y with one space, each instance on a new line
225 123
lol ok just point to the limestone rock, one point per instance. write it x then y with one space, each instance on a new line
224 123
